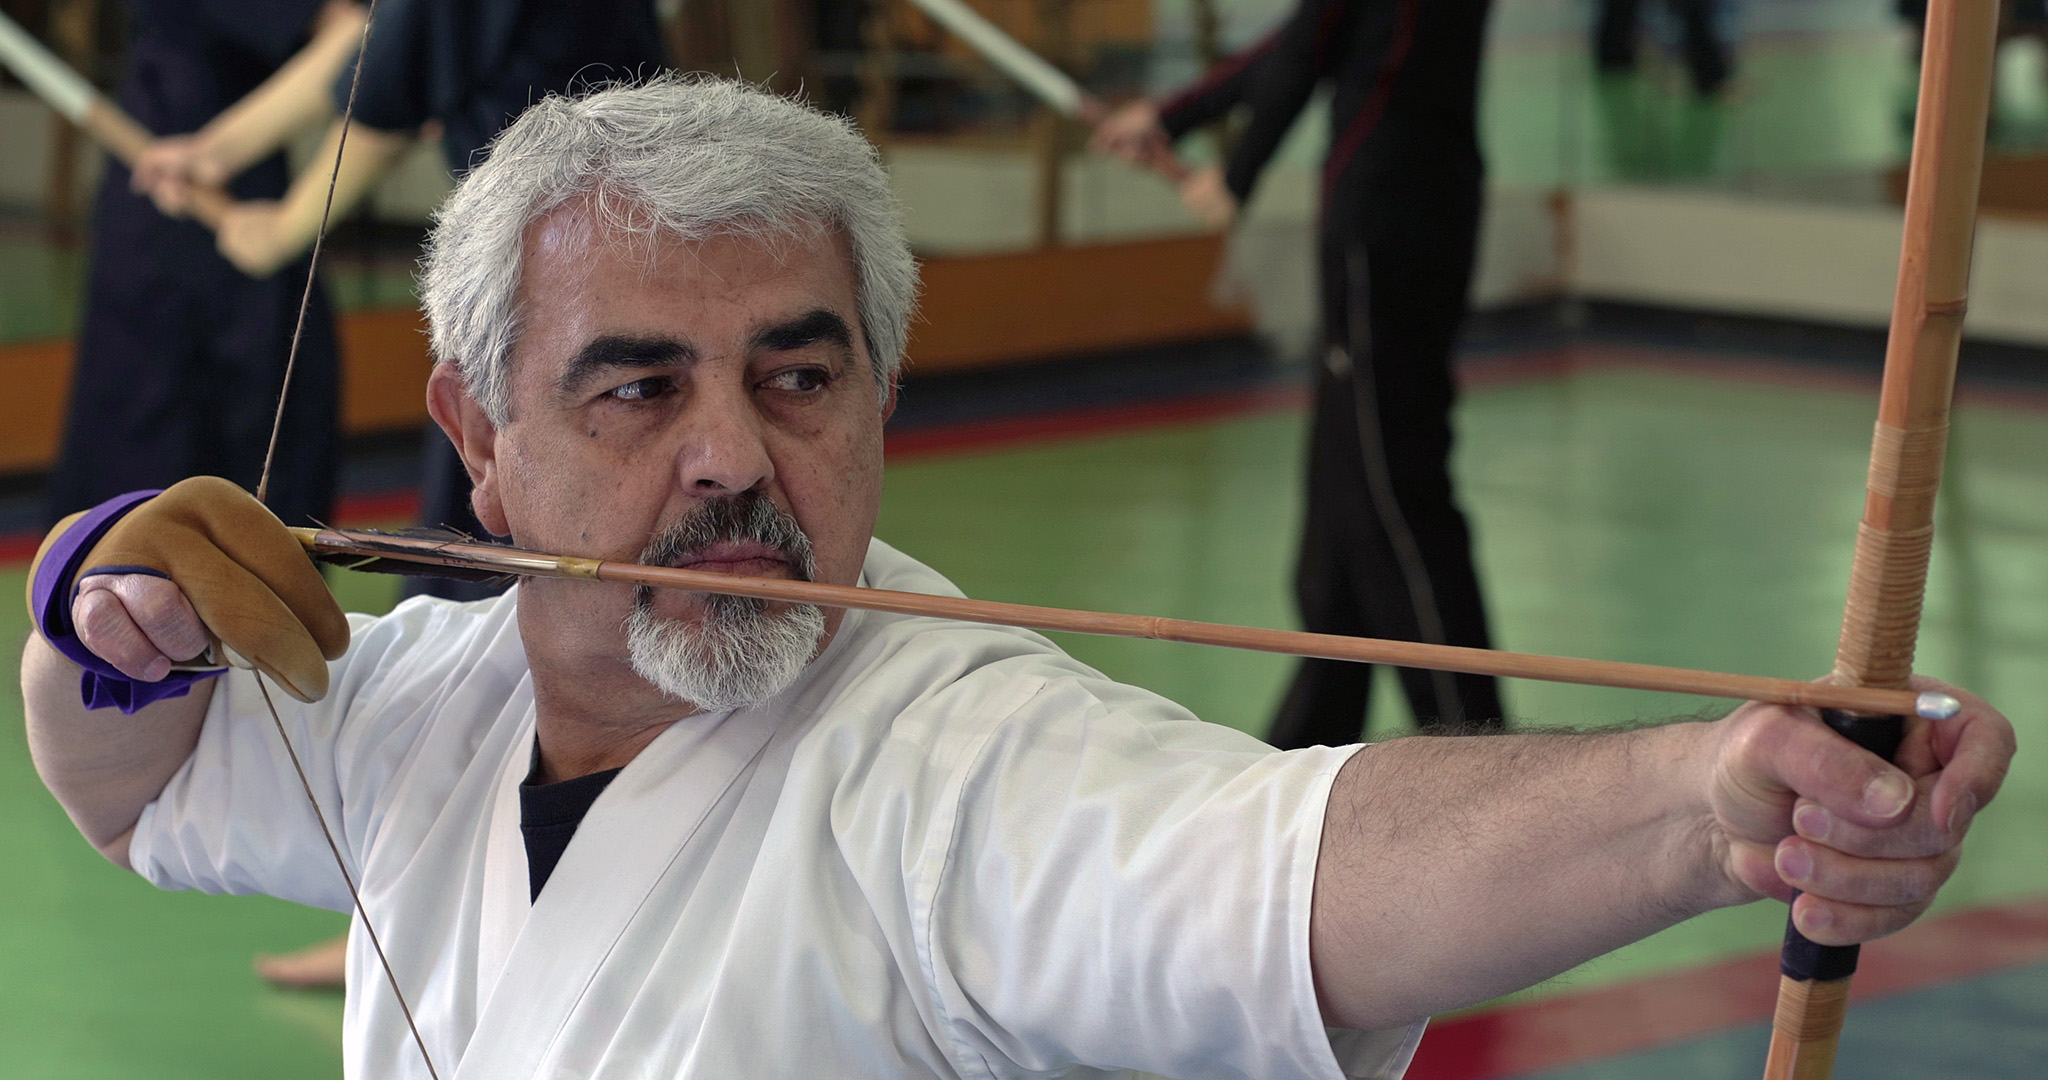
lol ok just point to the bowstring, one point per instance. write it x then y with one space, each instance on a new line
354 896
291 358
263 490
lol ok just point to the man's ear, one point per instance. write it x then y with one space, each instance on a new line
475 438
889 403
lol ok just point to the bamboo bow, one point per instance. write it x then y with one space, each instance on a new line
1882 616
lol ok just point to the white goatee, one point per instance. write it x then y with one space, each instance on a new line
736 654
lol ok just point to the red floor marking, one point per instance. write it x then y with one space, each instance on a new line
376 508
20 548
1643 1014
1075 423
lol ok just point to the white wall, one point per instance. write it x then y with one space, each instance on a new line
1796 260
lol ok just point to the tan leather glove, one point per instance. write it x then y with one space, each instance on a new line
248 579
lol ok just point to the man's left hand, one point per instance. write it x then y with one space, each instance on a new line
1866 844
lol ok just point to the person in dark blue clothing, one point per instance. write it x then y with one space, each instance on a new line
467 67
181 355
464 67
1385 550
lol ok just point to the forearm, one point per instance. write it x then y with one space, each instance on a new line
1217 93
103 766
1453 870
296 97
1279 86
370 153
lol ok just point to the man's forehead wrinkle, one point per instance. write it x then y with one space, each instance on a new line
614 218
780 242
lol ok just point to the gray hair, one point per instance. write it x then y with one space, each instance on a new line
684 158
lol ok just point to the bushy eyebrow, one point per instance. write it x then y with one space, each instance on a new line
613 351
809 328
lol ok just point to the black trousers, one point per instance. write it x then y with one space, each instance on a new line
1619 23
180 360
1385 550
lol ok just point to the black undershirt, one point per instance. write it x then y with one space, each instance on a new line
548 816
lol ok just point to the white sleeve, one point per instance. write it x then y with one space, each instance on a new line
1127 887
235 817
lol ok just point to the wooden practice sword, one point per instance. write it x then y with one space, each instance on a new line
73 98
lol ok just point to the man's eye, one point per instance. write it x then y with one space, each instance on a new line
641 389
799 380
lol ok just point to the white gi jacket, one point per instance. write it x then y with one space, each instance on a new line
949 850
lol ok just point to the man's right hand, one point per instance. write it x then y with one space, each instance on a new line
235 575
1132 133
172 166
140 623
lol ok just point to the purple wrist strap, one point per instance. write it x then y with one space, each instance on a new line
50 597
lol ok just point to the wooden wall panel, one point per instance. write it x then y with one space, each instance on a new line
383 385
978 311
37 375
384 365
2014 186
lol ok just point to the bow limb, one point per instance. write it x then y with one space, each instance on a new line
1882 617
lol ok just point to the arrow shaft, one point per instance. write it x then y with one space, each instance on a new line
1291 642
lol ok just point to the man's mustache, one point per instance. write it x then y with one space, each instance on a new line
749 517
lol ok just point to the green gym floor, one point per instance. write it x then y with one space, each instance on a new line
1660 504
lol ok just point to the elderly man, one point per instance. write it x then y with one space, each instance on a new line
808 842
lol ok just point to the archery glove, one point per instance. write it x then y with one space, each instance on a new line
246 576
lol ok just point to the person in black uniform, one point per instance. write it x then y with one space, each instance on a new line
470 67
1386 552
181 355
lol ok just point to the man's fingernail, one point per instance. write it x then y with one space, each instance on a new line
1887 795
1795 863
156 669
1965 809
1818 919
1812 822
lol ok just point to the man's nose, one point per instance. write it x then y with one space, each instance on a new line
726 450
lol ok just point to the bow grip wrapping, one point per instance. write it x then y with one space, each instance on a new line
1803 959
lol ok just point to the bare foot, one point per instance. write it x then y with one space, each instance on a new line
315 967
